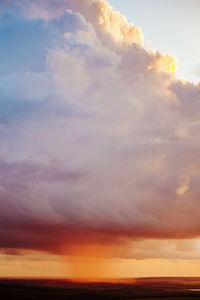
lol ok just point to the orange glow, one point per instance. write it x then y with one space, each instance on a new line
38 265
90 263
87 269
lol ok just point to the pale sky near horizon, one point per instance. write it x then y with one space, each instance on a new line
169 26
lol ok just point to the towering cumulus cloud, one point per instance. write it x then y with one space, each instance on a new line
99 139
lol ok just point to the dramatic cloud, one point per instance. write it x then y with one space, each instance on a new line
99 139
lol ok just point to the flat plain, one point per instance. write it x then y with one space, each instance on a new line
144 288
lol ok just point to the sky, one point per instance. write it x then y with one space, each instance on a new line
99 141
169 26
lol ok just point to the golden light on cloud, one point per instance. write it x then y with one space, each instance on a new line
184 185
166 63
169 63
117 25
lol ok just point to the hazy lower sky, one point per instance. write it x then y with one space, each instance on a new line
171 26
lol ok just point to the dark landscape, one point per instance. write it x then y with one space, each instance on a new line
146 288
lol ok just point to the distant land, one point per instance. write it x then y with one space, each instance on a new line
168 288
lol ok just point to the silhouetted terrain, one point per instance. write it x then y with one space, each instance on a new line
148 288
